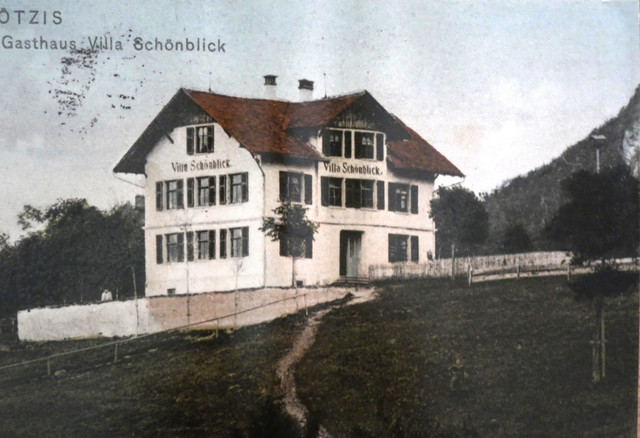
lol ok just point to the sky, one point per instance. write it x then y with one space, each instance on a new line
500 87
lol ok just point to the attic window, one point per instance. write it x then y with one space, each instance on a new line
200 140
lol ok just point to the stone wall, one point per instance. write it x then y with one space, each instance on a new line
155 314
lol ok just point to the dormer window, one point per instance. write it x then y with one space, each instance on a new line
364 145
367 145
200 140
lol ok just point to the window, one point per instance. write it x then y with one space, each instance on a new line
332 143
307 244
232 189
359 193
239 241
207 190
293 185
200 140
364 145
239 190
331 191
206 245
175 247
401 196
174 194
398 246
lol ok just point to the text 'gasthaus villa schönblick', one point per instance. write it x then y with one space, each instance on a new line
109 43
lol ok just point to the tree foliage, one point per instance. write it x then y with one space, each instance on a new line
516 240
461 219
72 252
291 227
600 220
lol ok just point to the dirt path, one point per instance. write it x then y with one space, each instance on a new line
286 366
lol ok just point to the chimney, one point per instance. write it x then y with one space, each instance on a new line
270 86
305 90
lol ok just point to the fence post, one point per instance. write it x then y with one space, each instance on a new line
115 354
569 272
48 367
470 274
518 271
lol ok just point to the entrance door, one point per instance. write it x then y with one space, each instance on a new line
350 246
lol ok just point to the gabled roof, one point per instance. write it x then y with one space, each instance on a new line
265 126
417 154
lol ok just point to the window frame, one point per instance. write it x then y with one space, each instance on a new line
178 193
174 246
203 245
238 191
200 139
206 193
356 193
239 243
398 248
364 151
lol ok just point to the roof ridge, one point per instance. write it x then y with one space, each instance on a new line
286 101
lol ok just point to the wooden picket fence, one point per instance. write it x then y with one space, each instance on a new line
492 267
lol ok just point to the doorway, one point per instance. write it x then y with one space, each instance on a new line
350 250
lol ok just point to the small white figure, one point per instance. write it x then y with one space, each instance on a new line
106 295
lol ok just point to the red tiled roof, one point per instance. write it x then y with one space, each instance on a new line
417 154
267 127
257 124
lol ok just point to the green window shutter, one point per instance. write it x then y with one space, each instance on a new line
223 244
352 193
210 138
181 247
180 193
283 186
325 143
159 186
190 183
308 247
190 140
414 199
190 246
347 144
159 249
415 250
380 189
223 189
324 191
212 190
245 241
379 147
308 189
392 197
245 187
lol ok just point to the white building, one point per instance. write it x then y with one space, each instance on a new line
216 165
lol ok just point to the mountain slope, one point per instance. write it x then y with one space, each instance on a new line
531 200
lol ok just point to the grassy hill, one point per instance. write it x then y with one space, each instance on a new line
377 369
531 200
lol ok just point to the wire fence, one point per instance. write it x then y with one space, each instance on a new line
213 322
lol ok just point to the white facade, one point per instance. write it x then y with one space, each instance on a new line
204 209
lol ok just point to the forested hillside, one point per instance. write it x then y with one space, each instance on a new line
531 200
